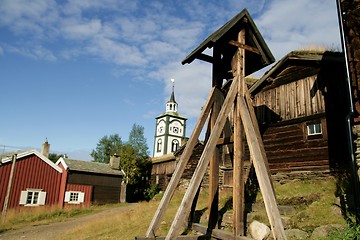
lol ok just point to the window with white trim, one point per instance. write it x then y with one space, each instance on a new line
159 145
74 197
314 129
174 145
32 197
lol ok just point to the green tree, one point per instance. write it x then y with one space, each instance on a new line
138 141
107 147
134 159
54 157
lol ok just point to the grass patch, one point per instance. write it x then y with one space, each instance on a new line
312 201
33 216
349 233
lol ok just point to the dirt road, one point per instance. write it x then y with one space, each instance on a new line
50 231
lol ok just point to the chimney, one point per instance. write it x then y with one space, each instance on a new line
45 149
115 162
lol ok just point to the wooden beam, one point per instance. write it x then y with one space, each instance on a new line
169 192
217 233
213 199
202 237
225 140
205 58
257 130
253 37
200 170
246 47
238 171
262 173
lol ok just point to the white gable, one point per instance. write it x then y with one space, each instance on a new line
42 157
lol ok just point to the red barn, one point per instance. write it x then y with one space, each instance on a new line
35 181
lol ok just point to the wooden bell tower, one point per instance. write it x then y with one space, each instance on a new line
238 50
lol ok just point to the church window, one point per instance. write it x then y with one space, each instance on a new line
174 145
159 145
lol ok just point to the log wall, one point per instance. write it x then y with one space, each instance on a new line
289 148
292 100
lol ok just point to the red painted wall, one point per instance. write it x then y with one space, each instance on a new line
87 189
62 185
30 172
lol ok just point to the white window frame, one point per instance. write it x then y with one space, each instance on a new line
69 197
32 197
159 145
174 145
312 129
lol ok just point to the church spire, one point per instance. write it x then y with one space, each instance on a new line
171 105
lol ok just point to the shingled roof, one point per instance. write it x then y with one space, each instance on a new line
229 31
304 58
90 167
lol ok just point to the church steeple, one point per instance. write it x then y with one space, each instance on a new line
171 105
170 128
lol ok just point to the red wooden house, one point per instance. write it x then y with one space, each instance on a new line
36 180
88 182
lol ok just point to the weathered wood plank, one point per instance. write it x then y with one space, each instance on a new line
262 173
238 169
213 199
246 47
184 237
217 233
238 176
169 192
199 173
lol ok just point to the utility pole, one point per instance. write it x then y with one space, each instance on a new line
9 187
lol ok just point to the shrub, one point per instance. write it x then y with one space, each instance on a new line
151 191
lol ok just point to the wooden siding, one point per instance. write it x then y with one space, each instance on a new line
166 167
288 148
106 188
292 100
30 172
81 188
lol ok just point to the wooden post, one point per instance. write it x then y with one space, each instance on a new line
238 170
214 172
261 172
169 192
6 201
214 162
200 170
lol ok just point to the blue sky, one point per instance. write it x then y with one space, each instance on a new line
75 71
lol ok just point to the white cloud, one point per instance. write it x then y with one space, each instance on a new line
36 52
115 52
34 18
151 38
291 25
160 50
192 85
80 29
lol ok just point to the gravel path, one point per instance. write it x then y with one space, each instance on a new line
50 231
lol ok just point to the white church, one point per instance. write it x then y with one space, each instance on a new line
170 129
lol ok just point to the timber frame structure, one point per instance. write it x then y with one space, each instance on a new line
238 50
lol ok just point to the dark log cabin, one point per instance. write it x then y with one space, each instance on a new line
163 167
301 109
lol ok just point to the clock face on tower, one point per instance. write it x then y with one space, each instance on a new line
161 128
176 130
